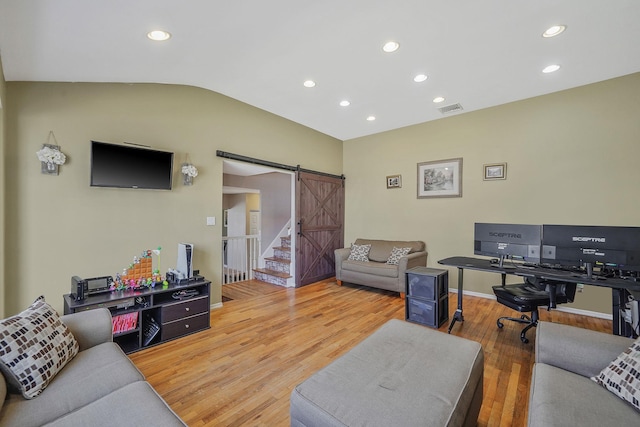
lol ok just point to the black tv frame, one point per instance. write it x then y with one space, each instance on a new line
130 166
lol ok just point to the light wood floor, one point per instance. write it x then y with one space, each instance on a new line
268 339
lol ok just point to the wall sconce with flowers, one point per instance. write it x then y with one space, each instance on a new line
189 172
50 156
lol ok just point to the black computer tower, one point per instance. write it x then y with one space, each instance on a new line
427 296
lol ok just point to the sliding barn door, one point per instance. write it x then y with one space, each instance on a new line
319 225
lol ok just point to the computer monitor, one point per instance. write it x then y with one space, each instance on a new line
607 247
519 242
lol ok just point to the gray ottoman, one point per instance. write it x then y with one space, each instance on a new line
402 375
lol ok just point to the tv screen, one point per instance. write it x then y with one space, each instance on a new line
125 166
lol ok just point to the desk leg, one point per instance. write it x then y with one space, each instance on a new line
457 316
620 326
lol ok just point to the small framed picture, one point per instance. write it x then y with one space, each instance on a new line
394 181
495 171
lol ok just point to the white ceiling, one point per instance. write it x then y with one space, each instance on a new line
476 53
232 167
244 169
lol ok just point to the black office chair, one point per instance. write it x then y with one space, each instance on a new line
528 296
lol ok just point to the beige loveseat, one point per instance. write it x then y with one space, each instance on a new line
375 272
100 386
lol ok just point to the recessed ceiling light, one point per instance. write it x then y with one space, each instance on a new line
159 35
438 99
554 31
344 103
371 118
390 46
309 83
551 68
420 78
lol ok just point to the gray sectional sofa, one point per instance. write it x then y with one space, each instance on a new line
100 386
375 272
562 393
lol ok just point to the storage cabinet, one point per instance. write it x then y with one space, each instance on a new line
184 326
179 310
427 296
147 317
183 317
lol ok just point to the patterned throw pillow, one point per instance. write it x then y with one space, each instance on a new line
359 253
622 376
34 346
396 254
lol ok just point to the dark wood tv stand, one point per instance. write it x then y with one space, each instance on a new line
159 317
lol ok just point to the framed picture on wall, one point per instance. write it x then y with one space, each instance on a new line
440 178
495 171
394 181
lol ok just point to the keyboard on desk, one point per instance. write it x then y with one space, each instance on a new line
546 267
558 267
574 271
528 265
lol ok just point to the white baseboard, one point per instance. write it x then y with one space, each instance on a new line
562 308
215 306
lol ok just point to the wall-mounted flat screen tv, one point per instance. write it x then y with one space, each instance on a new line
124 166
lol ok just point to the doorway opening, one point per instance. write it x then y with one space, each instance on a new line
258 210
301 221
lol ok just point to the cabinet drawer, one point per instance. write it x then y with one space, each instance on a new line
184 326
182 309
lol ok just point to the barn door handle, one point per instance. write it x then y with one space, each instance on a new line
300 228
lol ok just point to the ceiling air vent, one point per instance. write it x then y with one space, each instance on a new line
450 108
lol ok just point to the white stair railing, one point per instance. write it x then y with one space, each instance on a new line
240 256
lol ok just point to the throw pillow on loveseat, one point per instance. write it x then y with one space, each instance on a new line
385 266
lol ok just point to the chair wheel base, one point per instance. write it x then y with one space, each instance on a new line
530 321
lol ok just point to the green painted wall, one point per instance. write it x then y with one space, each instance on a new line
572 158
59 226
2 186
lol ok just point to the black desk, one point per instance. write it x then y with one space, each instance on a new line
619 287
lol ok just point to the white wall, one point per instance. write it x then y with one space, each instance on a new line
275 199
237 215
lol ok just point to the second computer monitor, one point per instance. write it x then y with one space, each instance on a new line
587 246
508 241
